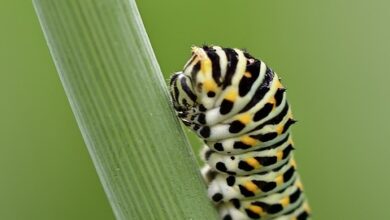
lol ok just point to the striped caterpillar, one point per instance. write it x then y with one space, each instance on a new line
238 107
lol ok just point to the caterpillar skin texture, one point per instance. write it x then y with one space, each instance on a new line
238 106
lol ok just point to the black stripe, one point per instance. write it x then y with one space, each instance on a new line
187 89
173 78
294 209
195 70
246 83
261 90
275 120
279 96
232 58
216 68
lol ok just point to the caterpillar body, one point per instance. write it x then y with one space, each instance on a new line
238 106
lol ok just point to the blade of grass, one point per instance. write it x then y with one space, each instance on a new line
119 99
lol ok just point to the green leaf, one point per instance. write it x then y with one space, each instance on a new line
120 101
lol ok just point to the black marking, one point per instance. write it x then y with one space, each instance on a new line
173 78
205 132
216 68
236 203
232 158
261 90
187 89
245 192
275 208
295 196
230 180
240 145
236 126
195 70
196 127
218 146
265 186
232 58
303 216
202 108
201 118
217 197
279 96
275 120
221 167
245 166
263 112
265 137
288 174
207 154
266 161
210 94
287 151
251 214
288 124
231 173
226 107
246 83
227 217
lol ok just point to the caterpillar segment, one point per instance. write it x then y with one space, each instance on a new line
238 106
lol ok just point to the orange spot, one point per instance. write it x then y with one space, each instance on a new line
307 207
278 84
279 129
248 75
253 162
255 209
293 163
209 85
279 180
249 185
279 155
285 201
248 140
231 95
245 118
205 65
272 100
299 184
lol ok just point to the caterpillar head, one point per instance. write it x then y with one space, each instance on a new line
183 96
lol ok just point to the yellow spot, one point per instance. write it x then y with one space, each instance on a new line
272 100
279 129
279 155
248 75
255 209
209 85
285 201
248 140
231 95
205 65
245 118
253 163
294 163
249 185
278 84
307 207
279 180
299 185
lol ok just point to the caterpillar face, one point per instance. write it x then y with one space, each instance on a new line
238 106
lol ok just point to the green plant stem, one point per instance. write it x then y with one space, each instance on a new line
120 101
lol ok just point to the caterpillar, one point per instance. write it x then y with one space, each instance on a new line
237 105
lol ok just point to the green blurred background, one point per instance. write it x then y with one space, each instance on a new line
333 58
